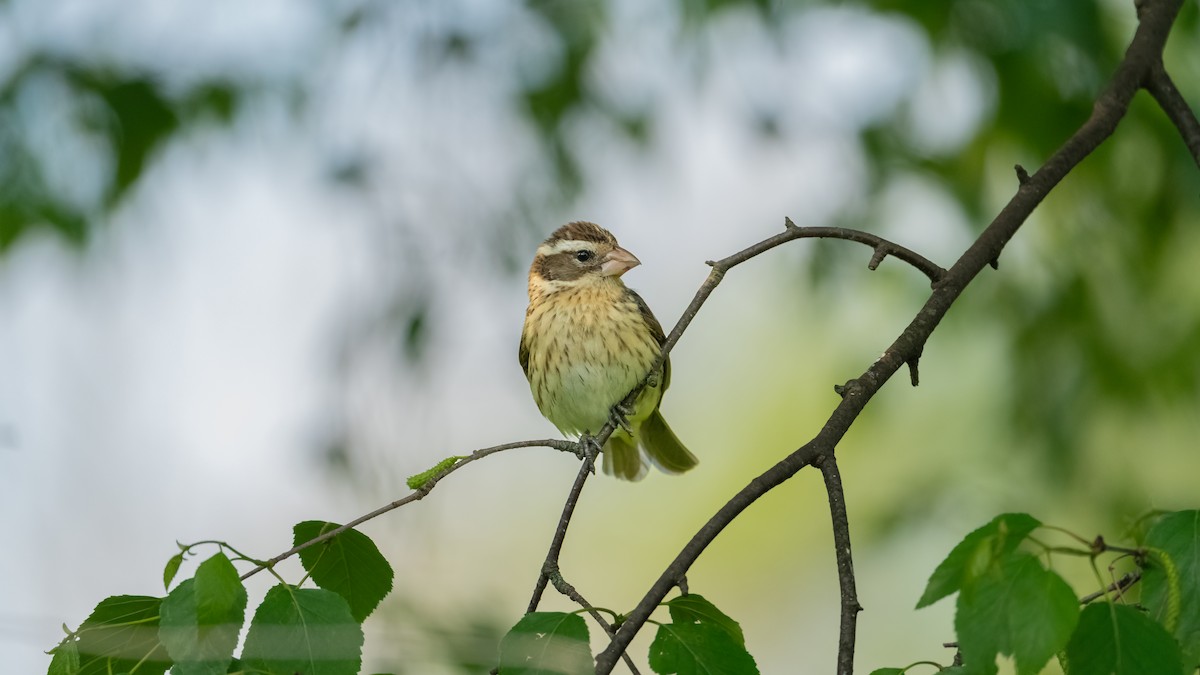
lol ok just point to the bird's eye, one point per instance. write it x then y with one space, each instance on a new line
584 256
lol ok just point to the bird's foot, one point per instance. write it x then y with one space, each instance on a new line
591 449
619 416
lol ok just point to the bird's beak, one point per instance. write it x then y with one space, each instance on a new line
617 262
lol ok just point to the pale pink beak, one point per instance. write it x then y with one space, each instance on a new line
617 262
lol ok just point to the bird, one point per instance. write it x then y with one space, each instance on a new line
587 341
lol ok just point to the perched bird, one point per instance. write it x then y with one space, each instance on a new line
588 340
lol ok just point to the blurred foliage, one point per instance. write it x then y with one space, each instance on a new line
579 25
458 642
130 113
1010 604
1101 328
1099 323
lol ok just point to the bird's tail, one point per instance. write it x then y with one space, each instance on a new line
621 457
663 447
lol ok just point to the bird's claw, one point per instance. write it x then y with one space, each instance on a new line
619 416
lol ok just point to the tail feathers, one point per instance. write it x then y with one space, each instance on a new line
659 444
663 447
622 459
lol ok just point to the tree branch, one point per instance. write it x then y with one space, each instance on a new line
847 627
883 247
791 232
1160 86
1145 49
1121 584
560 534
418 494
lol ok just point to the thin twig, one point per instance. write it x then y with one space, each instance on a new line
1145 49
1121 584
847 626
1160 86
791 232
560 533
418 494
883 247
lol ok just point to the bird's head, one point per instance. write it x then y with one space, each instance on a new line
577 254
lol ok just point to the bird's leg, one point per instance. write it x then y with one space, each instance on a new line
591 448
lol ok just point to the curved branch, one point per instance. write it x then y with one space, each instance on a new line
791 232
418 494
883 247
1156 19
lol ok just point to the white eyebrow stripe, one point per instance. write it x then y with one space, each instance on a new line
565 246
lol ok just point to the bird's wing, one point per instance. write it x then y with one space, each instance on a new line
657 331
523 356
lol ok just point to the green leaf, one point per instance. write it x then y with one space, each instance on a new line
1177 535
220 596
888 671
418 481
546 643
303 630
698 649
977 552
171 569
66 659
120 634
1120 640
1017 608
695 608
349 564
700 639
202 617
